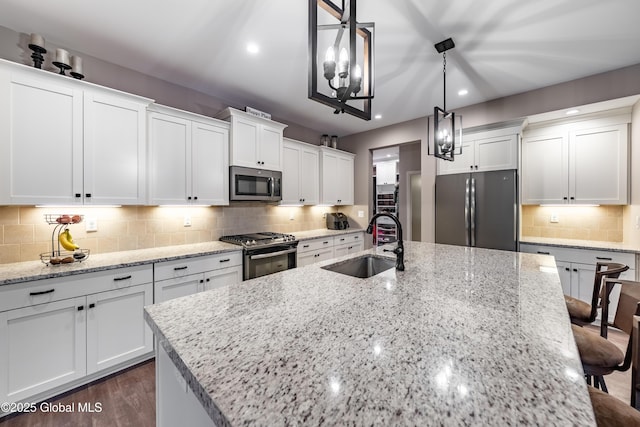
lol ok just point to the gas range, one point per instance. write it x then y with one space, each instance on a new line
265 253
259 240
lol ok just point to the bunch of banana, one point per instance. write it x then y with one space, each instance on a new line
67 241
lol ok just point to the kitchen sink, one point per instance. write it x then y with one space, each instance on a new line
362 267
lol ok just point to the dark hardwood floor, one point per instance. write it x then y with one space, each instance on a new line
127 399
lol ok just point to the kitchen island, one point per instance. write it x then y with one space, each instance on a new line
463 336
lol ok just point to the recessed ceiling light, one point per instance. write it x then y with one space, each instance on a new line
253 48
463 92
572 112
377 116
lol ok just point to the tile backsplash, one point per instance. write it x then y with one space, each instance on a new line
24 234
601 223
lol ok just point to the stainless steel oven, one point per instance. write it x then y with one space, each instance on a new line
265 253
254 184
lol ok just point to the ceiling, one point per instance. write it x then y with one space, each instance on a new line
503 47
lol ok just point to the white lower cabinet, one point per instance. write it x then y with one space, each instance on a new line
116 329
577 268
325 248
179 278
43 346
348 244
314 250
59 333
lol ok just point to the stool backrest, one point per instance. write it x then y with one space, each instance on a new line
628 307
604 270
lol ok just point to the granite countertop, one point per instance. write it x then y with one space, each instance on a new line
581 244
35 270
464 336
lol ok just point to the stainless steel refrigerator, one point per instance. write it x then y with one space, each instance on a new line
478 209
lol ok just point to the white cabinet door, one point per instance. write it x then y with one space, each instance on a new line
344 181
329 180
40 141
300 174
291 170
165 290
209 164
116 329
598 165
496 153
244 143
310 176
307 258
224 276
544 169
461 163
564 271
169 159
336 180
43 346
114 149
582 276
270 148
386 173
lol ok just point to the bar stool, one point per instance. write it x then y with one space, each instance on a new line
599 356
582 313
611 411
635 364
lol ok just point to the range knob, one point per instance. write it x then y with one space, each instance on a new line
253 242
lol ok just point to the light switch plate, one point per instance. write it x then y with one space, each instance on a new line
187 221
360 214
554 218
91 224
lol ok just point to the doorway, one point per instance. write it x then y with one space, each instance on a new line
414 223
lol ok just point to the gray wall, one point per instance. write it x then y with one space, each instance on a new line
14 47
600 87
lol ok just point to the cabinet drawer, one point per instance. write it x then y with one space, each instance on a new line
44 291
315 244
348 238
582 256
184 267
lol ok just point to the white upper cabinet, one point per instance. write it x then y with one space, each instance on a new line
336 177
386 173
484 151
254 142
581 162
300 173
64 141
188 158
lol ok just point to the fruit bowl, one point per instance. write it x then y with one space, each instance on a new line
64 257
54 219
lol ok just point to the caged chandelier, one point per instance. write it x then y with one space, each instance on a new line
346 84
445 143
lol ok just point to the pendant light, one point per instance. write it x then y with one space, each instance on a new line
346 84
445 123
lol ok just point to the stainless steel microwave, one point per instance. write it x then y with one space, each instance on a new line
254 184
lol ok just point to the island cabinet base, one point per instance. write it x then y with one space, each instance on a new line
176 405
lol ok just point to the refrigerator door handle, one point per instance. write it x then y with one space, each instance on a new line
472 219
467 190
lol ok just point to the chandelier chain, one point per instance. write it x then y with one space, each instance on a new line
444 78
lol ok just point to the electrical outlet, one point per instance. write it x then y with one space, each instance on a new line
554 218
637 222
91 224
360 214
291 218
187 221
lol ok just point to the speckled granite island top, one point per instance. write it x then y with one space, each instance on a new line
462 337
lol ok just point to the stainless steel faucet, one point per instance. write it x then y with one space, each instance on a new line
399 249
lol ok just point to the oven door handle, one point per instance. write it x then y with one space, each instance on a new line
272 254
